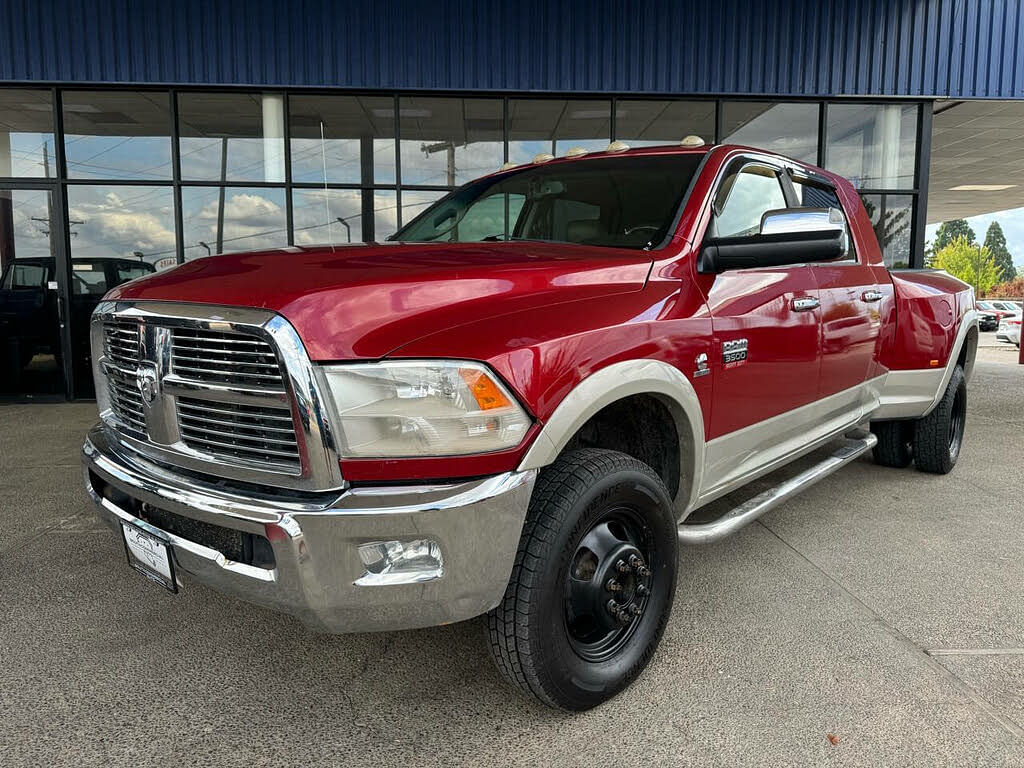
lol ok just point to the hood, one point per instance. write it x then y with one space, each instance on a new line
365 301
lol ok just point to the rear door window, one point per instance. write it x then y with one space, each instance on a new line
814 195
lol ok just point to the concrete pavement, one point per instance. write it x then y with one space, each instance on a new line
883 608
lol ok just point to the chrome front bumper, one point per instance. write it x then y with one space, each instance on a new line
315 539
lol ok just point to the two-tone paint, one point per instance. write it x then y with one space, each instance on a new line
571 328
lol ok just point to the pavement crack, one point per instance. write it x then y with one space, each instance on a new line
1008 724
975 651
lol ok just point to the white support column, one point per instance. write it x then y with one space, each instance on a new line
273 137
887 146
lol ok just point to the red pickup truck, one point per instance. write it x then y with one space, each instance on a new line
513 408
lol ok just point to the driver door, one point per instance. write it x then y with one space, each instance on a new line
767 329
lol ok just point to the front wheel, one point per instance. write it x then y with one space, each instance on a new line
593 581
939 436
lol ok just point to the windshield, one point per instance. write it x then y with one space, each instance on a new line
620 202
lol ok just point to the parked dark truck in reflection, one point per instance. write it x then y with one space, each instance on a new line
30 310
514 409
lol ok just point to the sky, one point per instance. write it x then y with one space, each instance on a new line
1012 222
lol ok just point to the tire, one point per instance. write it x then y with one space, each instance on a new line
554 635
939 436
895 443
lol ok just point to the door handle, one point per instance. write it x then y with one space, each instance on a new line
805 304
870 296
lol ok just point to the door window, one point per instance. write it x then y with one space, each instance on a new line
25 276
814 195
743 199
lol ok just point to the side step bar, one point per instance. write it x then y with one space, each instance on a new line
849 449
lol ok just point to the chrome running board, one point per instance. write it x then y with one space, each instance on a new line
849 449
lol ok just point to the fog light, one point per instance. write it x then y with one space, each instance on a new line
400 562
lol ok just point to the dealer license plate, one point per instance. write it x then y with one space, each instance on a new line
150 555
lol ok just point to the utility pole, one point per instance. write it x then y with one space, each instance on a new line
443 146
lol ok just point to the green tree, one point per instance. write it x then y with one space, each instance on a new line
951 230
995 241
970 262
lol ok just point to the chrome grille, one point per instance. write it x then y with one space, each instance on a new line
209 389
247 433
224 358
121 348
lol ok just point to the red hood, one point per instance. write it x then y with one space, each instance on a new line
365 301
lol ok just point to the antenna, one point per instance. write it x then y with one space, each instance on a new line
327 199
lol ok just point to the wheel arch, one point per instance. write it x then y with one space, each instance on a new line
618 382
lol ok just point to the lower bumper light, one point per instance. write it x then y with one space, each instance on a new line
400 562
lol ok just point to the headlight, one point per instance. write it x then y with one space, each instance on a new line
423 408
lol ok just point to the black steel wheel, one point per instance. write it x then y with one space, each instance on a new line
939 436
593 581
608 584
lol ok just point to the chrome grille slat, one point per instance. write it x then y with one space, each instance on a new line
224 358
243 451
236 424
238 440
254 431
248 363
121 341
206 408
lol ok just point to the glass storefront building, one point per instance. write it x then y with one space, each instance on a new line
108 172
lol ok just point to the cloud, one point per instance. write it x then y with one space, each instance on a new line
242 209
120 221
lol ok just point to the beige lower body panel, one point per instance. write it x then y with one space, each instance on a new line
737 458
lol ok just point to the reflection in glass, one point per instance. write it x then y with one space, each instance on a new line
874 146
354 127
332 216
891 218
385 213
26 133
554 126
644 123
29 330
226 219
450 141
232 136
127 222
415 202
789 129
117 134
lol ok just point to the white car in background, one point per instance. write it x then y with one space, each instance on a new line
1009 330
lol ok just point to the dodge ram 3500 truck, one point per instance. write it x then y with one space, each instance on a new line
513 408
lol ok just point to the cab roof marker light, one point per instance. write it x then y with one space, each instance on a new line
508 165
543 157
617 146
692 141
576 152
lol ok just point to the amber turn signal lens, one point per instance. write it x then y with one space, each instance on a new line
484 390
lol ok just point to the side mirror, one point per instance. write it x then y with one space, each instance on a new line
787 236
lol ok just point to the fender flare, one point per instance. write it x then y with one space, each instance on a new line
613 383
967 324
914 393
